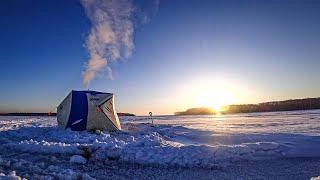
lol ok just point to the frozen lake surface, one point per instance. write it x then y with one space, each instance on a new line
277 145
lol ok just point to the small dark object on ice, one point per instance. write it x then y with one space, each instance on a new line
86 152
150 113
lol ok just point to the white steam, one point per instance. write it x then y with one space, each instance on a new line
111 35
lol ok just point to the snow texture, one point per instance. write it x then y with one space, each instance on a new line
175 141
11 176
315 178
78 159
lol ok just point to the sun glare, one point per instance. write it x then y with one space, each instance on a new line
214 99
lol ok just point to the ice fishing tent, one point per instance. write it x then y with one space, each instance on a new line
88 110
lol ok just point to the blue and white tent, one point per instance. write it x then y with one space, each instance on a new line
88 110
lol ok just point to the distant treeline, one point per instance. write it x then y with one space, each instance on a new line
196 111
28 114
288 105
49 114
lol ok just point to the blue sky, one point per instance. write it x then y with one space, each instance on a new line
255 50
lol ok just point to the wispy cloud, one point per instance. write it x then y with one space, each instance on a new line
111 34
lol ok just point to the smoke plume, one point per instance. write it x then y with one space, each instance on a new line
111 34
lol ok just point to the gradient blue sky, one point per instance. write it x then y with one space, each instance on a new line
256 50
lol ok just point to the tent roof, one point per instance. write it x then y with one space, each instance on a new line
90 92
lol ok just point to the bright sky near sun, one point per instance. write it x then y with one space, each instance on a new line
188 54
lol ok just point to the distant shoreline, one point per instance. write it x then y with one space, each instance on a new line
28 114
49 114
273 106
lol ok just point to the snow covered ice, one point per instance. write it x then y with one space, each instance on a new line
34 147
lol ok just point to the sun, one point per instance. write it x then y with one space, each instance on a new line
216 106
214 99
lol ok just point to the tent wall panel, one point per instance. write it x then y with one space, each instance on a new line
107 107
63 111
100 121
79 112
